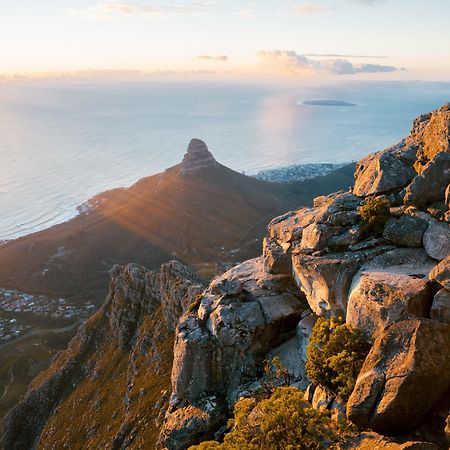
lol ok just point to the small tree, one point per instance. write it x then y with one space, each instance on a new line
375 212
335 356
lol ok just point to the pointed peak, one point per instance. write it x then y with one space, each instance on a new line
196 157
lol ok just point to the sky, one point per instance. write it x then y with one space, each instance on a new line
316 39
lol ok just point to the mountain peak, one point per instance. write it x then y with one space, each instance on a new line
197 156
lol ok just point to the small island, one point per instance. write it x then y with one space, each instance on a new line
328 103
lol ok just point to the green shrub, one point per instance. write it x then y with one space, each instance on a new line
284 421
195 304
335 356
375 212
276 375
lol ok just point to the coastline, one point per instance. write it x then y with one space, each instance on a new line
286 174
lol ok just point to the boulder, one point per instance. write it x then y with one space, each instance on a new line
430 132
179 288
430 185
316 237
289 355
369 440
403 376
436 239
384 171
440 309
388 287
406 230
322 398
441 273
188 425
325 280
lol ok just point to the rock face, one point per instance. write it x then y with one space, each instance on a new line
384 171
406 230
197 157
326 280
179 288
431 133
441 273
390 286
440 309
220 347
429 186
402 377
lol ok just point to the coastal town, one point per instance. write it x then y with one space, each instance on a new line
18 310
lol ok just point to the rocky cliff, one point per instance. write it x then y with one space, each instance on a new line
376 256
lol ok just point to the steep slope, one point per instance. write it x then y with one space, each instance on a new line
197 211
114 371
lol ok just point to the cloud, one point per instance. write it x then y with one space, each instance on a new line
113 10
368 2
114 74
213 58
337 55
296 64
311 8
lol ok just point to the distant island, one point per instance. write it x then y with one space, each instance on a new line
328 103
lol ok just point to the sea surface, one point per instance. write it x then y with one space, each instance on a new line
62 142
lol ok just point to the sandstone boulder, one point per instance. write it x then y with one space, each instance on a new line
388 287
440 309
441 273
436 239
406 230
369 440
385 170
430 185
403 376
326 280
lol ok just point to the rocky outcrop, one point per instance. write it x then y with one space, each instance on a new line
441 273
179 288
390 286
197 157
385 171
429 186
430 132
128 325
220 347
326 280
405 373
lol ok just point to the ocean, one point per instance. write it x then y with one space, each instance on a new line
61 142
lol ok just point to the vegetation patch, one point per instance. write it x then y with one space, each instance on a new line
193 307
375 213
284 421
335 356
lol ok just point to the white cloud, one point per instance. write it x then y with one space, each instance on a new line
112 10
368 2
213 58
296 64
311 8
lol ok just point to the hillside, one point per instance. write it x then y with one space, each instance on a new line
199 212
337 336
